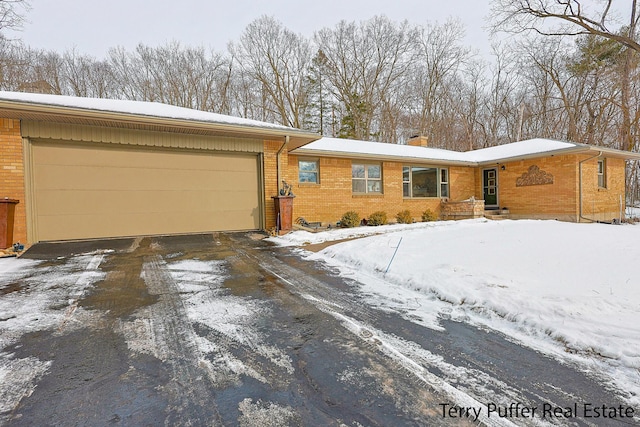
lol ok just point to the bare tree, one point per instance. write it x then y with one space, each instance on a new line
280 60
434 75
12 13
86 76
601 19
362 64
568 18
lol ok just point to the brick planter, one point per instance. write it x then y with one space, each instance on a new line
464 209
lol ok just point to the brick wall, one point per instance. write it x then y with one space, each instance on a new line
557 200
271 184
560 200
603 204
327 201
12 174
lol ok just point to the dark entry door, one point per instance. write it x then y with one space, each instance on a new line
490 187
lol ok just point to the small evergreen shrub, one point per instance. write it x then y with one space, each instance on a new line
378 218
428 216
404 217
350 219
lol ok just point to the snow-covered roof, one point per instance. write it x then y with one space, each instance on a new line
518 149
354 148
501 153
138 108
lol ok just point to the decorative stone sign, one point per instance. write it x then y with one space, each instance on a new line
534 176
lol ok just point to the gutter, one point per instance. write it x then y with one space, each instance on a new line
580 216
278 167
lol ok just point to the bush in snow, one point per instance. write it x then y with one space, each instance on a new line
378 218
404 217
428 216
350 219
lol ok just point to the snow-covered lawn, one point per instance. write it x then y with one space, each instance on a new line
568 290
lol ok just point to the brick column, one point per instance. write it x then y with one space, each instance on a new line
12 183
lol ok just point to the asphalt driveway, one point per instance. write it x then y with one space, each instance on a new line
226 329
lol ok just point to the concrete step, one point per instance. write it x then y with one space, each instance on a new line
497 214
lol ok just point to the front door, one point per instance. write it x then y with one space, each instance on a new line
490 187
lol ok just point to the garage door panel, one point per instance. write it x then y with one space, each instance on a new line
113 202
116 178
86 192
160 159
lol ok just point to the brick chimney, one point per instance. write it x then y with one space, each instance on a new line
418 141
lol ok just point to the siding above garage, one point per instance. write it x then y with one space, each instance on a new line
83 133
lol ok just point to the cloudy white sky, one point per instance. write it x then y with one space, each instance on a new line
93 27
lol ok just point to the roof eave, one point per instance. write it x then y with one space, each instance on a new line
380 157
19 109
612 152
581 148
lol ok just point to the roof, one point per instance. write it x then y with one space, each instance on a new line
520 150
141 115
337 147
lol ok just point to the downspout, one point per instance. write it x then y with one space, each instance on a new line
580 216
278 172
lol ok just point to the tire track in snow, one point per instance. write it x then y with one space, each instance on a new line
408 355
392 349
175 343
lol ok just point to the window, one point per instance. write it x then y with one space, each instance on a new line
309 171
602 173
366 178
423 181
444 182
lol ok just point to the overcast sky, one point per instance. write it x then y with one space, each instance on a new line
92 27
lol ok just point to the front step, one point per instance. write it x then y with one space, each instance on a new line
497 214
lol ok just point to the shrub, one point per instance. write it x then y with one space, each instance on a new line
350 219
404 217
428 215
378 218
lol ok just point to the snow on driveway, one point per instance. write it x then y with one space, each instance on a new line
43 301
568 290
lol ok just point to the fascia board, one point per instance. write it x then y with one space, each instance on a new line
380 158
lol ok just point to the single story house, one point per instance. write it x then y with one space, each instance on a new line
85 168
537 179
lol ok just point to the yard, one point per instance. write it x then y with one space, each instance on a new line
568 290
228 329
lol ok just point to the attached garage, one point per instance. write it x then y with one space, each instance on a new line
87 168
90 191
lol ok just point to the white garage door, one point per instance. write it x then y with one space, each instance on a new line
89 191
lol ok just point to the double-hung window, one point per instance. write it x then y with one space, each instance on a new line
602 173
425 181
309 171
366 178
